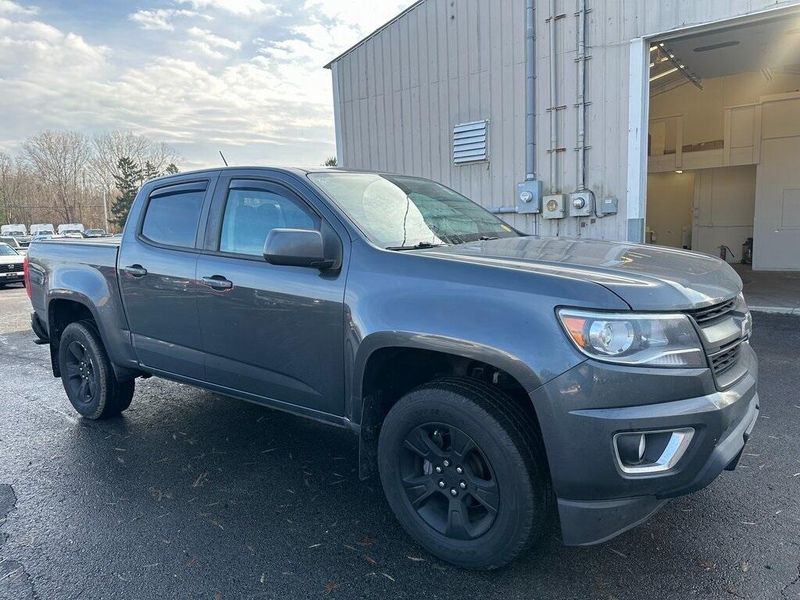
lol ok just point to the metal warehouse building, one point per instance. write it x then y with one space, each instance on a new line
674 122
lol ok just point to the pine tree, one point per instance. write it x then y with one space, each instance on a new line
128 182
171 169
149 171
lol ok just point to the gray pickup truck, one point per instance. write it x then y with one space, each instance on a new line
497 382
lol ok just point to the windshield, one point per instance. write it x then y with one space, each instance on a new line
6 250
400 212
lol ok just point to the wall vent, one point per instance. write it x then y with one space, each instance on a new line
470 142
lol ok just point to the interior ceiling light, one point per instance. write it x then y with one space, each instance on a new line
710 47
664 74
665 54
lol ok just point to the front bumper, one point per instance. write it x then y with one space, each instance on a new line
596 499
12 277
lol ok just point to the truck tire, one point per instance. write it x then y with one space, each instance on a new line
87 375
464 473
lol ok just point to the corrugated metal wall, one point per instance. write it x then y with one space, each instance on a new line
445 62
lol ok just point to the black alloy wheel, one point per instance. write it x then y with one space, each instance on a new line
81 376
449 481
464 472
87 374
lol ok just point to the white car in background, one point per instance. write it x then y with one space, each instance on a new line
20 245
11 269
14 229
65 228
42 229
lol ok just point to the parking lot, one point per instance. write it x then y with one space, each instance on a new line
193 495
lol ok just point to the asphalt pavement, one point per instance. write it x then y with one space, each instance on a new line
194 495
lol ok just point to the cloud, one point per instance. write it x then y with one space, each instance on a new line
214 40
161 18
363 16
7 7
236 7
251 85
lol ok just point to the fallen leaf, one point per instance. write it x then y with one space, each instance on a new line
708 565
745 566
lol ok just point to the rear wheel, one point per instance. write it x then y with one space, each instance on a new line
87 375
462 472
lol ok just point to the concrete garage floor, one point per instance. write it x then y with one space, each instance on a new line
771 291
193 495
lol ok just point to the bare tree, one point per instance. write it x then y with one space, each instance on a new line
59 160
9 188
110 147
61 177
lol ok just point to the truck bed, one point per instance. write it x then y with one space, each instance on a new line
59 267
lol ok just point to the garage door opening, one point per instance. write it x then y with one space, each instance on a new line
723 141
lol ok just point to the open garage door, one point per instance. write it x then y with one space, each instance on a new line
724 142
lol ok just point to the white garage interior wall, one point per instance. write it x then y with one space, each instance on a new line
776 244
724 206
670 198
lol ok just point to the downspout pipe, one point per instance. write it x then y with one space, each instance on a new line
553 101
581 141
530 90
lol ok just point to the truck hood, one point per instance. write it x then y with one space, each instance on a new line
646 277
10 260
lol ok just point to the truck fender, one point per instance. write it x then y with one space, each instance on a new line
371 344
102 302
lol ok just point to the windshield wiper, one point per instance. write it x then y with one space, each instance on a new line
418 246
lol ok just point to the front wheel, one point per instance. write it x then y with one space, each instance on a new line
87 375
463 473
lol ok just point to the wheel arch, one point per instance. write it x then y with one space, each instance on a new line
389 365
68 307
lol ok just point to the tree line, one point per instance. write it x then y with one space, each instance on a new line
68 177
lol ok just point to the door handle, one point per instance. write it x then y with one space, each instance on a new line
217 282
135 270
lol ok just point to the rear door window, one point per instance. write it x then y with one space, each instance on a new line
172 219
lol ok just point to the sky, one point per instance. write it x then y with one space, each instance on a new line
242 76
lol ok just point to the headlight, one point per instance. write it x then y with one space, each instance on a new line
635 339
747 324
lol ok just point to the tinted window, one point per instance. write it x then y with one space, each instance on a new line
173 219
251 214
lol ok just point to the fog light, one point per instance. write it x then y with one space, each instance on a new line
647 452
631 448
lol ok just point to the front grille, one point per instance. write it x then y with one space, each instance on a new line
711 313
712 321
11 267
726 358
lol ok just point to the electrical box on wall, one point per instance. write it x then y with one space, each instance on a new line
529 197
607 206
554 206
581 204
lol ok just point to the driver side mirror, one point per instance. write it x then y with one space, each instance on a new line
296 248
